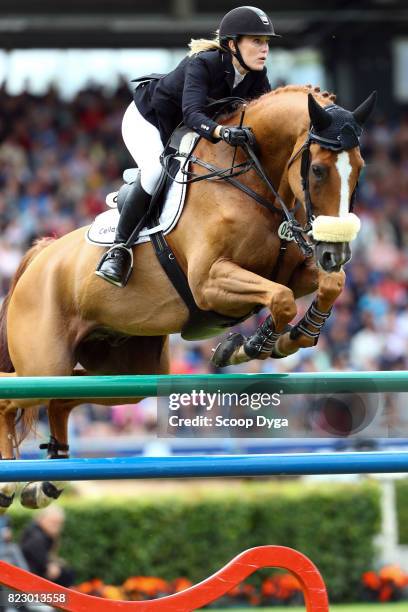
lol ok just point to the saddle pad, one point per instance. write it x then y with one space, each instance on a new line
102 231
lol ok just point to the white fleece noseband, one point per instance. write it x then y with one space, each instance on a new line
335 229
346 226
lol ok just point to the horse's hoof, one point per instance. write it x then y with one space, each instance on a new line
37 495
226 349
7 493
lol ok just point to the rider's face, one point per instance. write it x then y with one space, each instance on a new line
254 50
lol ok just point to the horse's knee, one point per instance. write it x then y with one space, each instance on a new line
283 305
331 285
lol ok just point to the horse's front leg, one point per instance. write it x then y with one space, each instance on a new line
273 338
232 290
306 332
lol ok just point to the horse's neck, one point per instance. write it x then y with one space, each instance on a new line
279 124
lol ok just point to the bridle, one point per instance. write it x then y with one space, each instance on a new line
304 151
301 233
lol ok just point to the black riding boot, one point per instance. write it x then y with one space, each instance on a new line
116 265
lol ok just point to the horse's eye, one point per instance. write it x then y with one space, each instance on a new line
319 171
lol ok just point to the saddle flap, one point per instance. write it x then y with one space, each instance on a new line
182 139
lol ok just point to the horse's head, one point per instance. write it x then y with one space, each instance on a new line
330 167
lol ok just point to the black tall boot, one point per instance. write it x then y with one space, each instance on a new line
116 265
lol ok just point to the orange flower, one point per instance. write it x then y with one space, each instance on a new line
92 586
181 584
385 593
147 585
113 592
394 574
371 581
290 582
268 587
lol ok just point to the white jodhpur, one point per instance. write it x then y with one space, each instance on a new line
145 146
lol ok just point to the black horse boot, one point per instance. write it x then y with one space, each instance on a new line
116 265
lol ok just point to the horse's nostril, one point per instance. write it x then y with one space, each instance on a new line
327 261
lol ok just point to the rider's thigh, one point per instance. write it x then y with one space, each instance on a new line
144 144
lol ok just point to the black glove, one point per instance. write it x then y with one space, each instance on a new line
234 136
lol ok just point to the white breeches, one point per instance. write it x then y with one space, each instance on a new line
144 144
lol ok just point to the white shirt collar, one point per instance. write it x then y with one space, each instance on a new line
238 77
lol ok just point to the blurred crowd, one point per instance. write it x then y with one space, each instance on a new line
59 159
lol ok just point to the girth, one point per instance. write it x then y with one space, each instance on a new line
201 323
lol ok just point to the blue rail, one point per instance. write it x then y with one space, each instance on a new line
203 466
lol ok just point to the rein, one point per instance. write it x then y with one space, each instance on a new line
229 174
252 163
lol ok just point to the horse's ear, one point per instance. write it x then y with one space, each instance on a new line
318 116
362 112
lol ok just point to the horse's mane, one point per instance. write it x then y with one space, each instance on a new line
324 97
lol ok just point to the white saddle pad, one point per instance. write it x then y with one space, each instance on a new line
102 231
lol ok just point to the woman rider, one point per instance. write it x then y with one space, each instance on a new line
231 64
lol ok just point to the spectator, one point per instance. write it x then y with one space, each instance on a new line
59 159
9 551
39 543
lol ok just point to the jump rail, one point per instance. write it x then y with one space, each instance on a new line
143 386
203 466
197 596
194 467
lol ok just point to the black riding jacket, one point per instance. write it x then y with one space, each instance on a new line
184 93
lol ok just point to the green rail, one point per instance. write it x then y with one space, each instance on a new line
88 387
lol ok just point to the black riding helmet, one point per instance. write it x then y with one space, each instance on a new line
244 21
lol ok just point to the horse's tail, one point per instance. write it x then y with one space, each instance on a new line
6 364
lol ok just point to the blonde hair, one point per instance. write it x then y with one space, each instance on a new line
203 44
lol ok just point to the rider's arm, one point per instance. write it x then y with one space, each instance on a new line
195 93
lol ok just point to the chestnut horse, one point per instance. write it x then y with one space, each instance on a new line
59 315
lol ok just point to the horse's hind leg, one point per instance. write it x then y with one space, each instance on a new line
137 355
41 494
45 335
8 413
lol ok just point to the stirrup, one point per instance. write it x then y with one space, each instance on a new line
99 273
